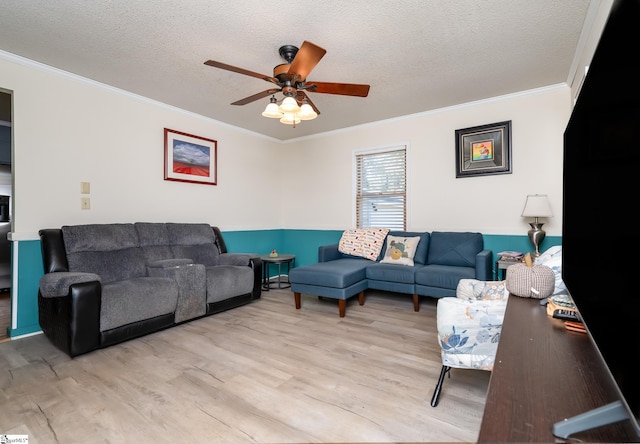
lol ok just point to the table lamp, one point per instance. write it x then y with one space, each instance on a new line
536 206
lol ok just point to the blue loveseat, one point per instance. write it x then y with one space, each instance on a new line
441 259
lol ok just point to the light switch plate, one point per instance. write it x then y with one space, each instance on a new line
85 188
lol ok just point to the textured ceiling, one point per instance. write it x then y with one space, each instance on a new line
417 55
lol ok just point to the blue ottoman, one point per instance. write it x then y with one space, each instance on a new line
337 279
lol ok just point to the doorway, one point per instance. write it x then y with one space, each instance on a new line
6 192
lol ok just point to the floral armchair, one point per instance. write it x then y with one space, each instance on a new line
469 327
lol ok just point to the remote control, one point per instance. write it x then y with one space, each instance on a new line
567 315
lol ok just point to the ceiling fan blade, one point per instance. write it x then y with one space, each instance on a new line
241 71
301 97
255 97
344 89
305 60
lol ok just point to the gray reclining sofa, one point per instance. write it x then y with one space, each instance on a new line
107 283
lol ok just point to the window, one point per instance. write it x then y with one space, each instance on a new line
381 194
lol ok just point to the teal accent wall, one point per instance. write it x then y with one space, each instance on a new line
301 243
30 269
304 244
257 241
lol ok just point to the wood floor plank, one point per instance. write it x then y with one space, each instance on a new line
5 314
261 373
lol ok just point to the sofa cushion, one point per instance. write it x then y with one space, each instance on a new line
154 240
400 250
227 281
99 237
138 299
455 248
193 241
391 272
108 250
420 257
340 273
443 276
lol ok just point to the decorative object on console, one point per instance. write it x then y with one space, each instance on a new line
536 206
530 281
483 150
273 253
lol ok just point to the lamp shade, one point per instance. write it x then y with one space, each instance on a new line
272 111
537 205
307 112
290 119
289 105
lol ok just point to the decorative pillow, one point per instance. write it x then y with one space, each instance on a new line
363 242
400 250
552 258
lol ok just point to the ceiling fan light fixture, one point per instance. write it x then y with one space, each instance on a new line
307 112
290 119
289 106
272 111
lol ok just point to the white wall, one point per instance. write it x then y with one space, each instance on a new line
68 130
319 181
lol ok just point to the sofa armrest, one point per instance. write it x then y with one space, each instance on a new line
242 259
482 290
72 321
57 284
328 253
484 267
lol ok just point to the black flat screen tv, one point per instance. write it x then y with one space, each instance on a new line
600 233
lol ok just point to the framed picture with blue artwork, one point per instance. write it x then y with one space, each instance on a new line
483 150
189 158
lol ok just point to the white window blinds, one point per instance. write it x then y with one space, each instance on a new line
381 195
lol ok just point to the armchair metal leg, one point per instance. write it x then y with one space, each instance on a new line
436 393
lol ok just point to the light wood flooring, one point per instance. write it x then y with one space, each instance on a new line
5 315
261 373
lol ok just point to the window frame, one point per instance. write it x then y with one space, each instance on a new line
355 181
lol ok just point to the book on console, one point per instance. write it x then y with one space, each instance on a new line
510 254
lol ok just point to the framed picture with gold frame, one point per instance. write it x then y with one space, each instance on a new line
483 150
189 158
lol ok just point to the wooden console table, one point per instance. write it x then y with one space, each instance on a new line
542 375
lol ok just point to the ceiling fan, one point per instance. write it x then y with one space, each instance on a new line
290 78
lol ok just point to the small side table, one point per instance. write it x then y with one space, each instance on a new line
502 265
281 259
